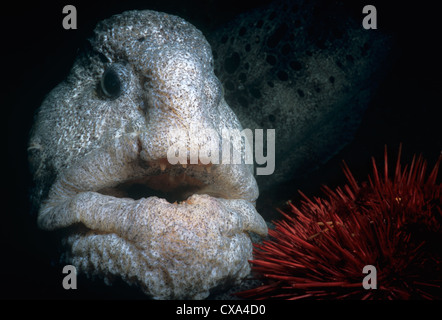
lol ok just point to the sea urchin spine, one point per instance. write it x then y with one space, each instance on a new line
319 249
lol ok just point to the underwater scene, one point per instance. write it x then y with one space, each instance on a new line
222 150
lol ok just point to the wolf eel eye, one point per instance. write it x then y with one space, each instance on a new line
114 80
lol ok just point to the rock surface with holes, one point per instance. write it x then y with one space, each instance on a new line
304 68
98 155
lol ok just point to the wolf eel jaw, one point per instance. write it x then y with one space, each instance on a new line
198 234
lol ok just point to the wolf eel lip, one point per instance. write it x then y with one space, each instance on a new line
117 183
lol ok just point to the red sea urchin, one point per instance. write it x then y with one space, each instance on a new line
319 249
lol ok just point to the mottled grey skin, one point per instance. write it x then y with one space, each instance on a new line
89 149
304 68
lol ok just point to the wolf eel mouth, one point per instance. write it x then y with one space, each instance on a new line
174 183
152 221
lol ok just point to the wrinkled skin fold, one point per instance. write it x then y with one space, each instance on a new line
104 132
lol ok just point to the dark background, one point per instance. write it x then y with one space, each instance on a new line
37 54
